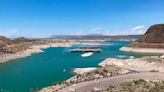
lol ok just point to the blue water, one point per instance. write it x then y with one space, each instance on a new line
44 69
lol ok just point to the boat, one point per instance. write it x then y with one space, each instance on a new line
87 54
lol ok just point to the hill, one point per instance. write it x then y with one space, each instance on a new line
153 38
21 39
155 34
10 46
95 37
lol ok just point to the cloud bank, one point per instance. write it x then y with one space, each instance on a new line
136 30
9 33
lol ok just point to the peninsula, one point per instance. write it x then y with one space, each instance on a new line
151 42
22 47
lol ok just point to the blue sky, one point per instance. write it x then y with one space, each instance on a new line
43 18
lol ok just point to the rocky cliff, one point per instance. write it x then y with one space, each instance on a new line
155 34
153 38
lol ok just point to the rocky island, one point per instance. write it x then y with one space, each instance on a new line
151 42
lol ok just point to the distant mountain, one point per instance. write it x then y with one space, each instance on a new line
13 45
76 36
21 39
5 40
94 36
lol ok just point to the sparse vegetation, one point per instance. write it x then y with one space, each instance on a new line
137 86
101 72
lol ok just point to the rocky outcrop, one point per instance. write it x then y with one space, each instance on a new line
11 46
155 34
144 64
153 38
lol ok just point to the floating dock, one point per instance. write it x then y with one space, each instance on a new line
86 49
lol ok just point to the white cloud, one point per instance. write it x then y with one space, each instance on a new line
137 27
97 30
9 33
138 30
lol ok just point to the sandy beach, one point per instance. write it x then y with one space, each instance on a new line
142 50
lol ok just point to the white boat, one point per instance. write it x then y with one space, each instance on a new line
87 54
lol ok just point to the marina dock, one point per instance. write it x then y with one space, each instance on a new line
86 49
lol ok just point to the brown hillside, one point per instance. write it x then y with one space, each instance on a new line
155 34
21 39
5 40
12 46
153 38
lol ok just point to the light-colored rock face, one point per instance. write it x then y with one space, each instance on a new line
142 50
138 64
83 70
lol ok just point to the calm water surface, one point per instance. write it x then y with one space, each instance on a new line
44 69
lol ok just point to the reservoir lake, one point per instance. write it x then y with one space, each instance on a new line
53 65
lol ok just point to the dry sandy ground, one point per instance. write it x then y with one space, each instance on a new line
142 50
145 64
83 70
104 83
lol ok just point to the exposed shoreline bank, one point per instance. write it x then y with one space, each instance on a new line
142 50
32 50
143 64
84 70
147 64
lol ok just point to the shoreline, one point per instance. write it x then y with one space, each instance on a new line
84 70
32 50
127 66
142 50
143 64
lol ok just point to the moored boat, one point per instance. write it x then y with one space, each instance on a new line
87 54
